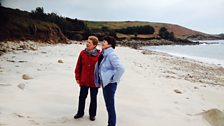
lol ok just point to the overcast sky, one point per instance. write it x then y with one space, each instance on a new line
201 15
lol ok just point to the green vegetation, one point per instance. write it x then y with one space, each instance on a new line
71 28
116 24
19 24
163 33
137 30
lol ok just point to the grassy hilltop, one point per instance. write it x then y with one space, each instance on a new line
37 25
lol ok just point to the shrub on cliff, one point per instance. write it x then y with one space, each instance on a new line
165 34
38 13
137 30
67 25
19 25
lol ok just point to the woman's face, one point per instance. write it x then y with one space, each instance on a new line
89 45
105 44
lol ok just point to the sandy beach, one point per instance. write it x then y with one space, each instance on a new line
38 88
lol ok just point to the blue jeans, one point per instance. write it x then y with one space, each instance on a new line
93 100
109 93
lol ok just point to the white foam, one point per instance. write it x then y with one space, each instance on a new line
213 61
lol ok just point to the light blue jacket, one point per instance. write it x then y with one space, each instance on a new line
110 69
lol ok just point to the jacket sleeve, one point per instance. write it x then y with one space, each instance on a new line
78 68
119 68
96 73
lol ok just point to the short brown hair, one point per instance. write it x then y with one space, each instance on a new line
94 40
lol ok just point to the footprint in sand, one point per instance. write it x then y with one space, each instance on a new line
44 52
214 116
21 86
34 122
3 85
1 69
1 124
38 69
18 115
64 120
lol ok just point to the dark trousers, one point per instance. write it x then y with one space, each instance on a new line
109 93
93 100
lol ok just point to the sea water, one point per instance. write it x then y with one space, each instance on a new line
211 52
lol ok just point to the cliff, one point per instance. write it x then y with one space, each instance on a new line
19 25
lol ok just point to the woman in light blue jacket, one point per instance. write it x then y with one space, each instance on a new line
108 71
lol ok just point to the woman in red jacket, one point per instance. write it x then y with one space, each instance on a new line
84 74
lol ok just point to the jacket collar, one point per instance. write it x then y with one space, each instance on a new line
107 51
93 52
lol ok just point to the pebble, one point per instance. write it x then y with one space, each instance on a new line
178 91
26 77
60 61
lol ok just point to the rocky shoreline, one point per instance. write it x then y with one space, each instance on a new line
10 46
136 44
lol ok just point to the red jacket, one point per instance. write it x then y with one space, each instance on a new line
84 70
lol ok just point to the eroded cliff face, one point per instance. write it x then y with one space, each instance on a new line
51 34
18 25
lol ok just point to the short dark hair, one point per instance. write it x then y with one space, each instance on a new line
111 41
